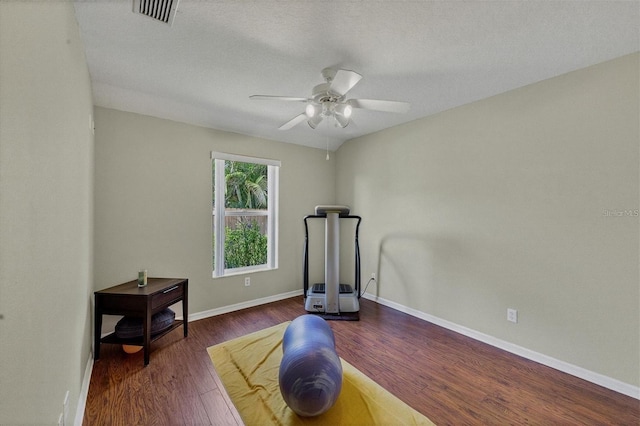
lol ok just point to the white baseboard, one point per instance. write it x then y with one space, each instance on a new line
565 367
243 305
84 391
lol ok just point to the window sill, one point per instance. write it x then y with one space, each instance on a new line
243 271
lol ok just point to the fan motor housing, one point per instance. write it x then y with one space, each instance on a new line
321 94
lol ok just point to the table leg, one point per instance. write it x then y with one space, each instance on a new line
146 327
185 310
97 330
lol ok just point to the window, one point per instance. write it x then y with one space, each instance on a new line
244 214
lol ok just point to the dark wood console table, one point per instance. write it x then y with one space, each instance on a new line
143 302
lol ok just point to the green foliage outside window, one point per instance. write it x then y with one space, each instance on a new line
245 245
245 185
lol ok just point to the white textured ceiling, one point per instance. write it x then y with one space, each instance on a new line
435 55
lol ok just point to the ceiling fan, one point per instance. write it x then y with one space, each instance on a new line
329 100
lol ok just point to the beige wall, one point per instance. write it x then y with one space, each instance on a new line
501 203
46 195
492 205
153 205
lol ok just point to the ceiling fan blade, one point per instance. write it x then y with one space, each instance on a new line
294 121
276 98
343 81
377 105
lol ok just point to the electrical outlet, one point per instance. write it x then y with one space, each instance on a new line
512 315
373 275
247 281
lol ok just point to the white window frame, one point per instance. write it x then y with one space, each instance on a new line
219 213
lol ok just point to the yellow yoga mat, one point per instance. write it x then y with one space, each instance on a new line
248 367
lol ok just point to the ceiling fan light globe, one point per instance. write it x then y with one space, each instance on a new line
344 109
327 108
314 121
341 120
310 110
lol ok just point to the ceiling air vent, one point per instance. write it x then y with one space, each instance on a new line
160 10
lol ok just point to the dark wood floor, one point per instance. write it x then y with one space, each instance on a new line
449 378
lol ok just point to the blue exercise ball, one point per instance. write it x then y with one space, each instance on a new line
310 373
308 329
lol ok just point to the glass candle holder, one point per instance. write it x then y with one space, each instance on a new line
142 278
